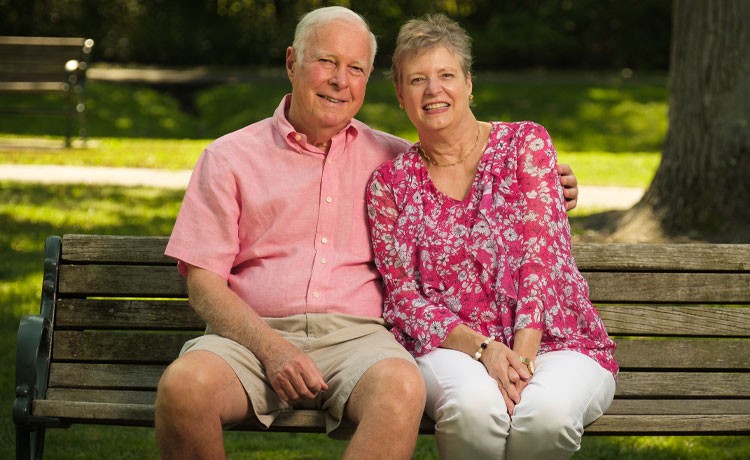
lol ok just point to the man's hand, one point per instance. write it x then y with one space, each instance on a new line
292 374
570 185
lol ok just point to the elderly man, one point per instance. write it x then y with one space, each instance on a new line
272 237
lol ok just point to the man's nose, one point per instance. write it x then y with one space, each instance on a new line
340 78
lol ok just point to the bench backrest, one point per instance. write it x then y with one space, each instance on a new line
43 63
680 315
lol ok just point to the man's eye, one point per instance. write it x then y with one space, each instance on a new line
417 80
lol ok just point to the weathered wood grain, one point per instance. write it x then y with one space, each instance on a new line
154 314
669 287
116 249
121 281
674 320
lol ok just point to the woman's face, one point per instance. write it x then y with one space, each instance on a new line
434 90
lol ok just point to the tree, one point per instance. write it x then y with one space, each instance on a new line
701 189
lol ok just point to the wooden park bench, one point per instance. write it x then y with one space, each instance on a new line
54 65
114 314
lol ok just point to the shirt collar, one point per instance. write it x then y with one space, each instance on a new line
298 141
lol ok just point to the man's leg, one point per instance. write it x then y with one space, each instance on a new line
197 394
387 404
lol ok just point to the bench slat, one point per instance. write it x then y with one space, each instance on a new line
589 256
698 354
670 424
116 249
683 384
124 347
618 407
678 406
314 421
698 320
662 257
127 314
631 384
136 280
632 353
121 281
669 287
627 319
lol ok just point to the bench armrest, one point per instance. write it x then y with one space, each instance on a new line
33 353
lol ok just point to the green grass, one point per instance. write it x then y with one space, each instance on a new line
609 129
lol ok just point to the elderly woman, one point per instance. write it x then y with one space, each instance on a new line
471 236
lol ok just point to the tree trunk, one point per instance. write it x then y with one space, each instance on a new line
701 189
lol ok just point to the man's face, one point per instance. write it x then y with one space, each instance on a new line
328 84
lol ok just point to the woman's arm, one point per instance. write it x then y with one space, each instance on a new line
419 324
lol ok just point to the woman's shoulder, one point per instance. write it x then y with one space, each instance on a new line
403 164
515 128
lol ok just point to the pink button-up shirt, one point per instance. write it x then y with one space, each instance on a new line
283 221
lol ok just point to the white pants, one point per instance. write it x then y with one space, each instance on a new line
568 391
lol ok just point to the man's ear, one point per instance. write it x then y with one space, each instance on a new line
291 59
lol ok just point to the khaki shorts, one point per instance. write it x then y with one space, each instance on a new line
342 346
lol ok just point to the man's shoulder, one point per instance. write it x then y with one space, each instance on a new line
258 130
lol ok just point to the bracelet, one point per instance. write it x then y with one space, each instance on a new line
482 347
527 362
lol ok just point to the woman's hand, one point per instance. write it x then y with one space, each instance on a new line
509 372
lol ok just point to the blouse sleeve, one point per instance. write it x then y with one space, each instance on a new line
546 232
418 324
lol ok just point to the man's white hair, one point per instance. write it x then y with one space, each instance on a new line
323 16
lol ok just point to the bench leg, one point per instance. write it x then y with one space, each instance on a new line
29 444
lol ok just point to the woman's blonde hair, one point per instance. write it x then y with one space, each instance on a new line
426 33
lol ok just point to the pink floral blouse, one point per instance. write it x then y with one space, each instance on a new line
498 261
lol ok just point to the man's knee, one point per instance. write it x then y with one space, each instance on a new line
191 384
392 386
402 383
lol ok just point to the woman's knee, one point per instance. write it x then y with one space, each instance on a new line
551 422
474 406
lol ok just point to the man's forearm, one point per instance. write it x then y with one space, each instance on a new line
228 315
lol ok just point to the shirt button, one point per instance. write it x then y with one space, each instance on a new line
297 137
328 199
316 294
324 240
323 260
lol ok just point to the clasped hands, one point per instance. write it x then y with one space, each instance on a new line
511 375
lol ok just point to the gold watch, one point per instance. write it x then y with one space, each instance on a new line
528 363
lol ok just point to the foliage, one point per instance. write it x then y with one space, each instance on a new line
582 112
510 34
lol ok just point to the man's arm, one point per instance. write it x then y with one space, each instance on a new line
291 373
570 185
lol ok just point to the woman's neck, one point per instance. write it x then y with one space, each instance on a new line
451 147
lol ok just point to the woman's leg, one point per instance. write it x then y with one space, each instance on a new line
568 391
471 421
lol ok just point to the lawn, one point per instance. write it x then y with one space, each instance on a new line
610 129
